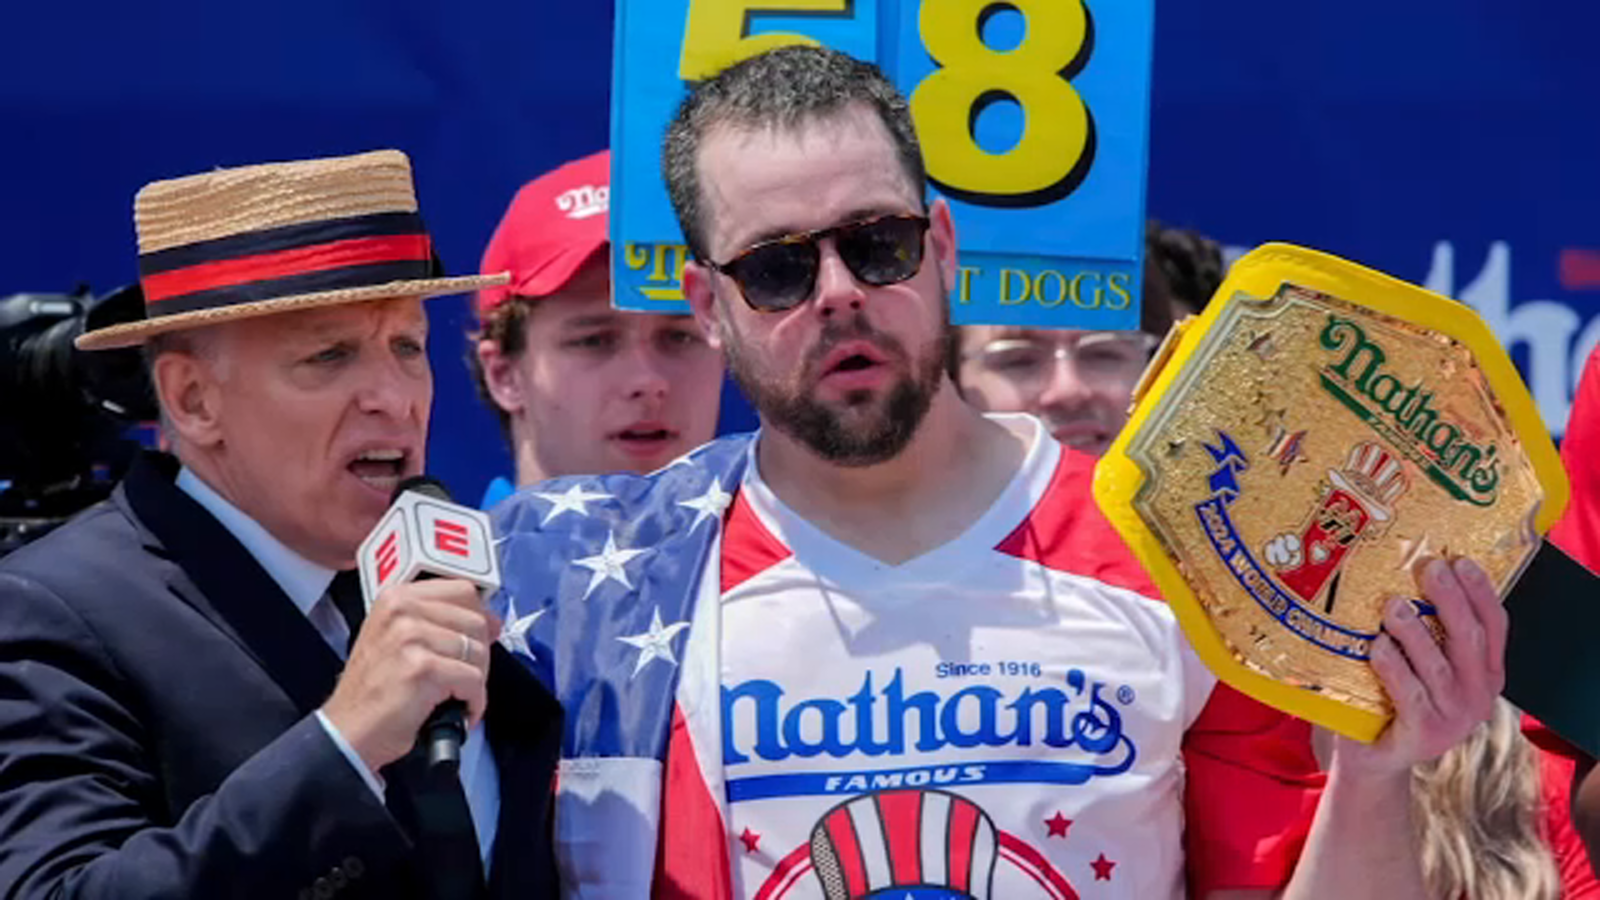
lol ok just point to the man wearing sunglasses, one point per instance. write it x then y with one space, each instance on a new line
864 653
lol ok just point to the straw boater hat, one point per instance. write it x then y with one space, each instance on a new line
274 238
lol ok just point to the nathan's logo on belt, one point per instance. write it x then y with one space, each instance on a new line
1405 416
889 723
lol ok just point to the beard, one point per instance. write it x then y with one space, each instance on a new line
866 428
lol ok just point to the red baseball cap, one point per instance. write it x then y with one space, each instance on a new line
554 225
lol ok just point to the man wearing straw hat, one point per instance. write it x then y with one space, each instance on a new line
194 702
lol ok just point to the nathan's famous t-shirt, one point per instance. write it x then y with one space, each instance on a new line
986 720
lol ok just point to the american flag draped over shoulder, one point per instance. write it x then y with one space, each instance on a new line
603 583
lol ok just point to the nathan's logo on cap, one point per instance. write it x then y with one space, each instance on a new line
583 202
1405 415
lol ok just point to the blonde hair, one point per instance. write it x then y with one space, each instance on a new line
1478 811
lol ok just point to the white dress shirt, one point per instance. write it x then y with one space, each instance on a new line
307 584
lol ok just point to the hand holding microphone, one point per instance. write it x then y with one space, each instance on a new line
418 670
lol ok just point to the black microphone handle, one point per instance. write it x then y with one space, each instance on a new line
446 727
443 735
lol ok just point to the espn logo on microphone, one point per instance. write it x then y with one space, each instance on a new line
420 534
451 537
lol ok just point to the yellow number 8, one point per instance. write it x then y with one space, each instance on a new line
1054 151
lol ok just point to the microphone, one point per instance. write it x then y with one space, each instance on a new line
427 535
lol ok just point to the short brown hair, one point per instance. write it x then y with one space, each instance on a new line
507 326
782 88
1190 262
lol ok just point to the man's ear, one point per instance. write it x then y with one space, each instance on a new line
501 377
943 232
699 287
189 392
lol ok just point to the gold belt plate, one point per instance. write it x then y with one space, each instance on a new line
1294 451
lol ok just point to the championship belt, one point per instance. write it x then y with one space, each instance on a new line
1295 450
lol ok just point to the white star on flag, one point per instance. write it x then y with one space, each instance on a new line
514 636
575 499
709 505
655 643
608 565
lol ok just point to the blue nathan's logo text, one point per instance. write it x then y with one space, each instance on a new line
761 721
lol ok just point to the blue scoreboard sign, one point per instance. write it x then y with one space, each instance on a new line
1033 116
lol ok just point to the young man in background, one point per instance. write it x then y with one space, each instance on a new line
581 387
1081 382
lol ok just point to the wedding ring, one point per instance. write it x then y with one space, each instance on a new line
466 649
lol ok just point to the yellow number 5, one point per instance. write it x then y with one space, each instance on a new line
1047 161
715 35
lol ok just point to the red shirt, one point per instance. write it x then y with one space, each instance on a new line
1577 534
1246 762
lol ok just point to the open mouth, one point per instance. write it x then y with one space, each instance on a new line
380 468
652 434
645 438
1085 441
1082 437
855 356
853 364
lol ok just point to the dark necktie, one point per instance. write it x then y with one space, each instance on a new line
429 804
346 594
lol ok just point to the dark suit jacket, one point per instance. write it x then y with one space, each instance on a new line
156 736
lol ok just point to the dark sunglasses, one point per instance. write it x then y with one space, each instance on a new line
781 273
